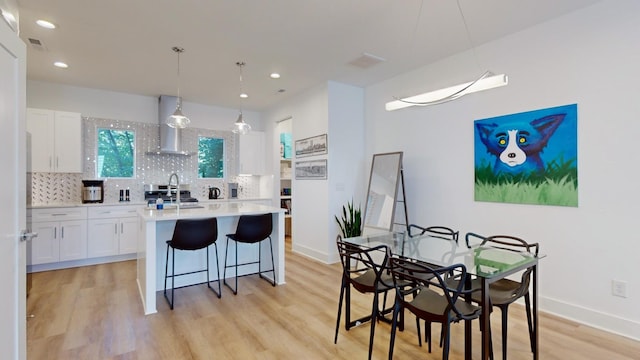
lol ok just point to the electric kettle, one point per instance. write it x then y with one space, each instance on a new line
214 192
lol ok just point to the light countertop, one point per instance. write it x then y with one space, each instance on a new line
202 210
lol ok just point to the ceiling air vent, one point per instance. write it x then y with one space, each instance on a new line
37 44
366 61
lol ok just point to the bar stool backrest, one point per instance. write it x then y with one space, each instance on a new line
194 234
254 228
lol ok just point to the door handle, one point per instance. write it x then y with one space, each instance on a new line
27 235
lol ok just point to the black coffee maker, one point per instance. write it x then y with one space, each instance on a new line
214 192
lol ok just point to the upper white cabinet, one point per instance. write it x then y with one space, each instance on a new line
252 153
55 141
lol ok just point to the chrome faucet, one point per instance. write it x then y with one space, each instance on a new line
177 189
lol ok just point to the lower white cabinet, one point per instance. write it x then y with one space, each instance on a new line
61 235
112 230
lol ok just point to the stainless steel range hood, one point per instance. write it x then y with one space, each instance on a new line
170 138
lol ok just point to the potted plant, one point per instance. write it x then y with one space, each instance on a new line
351 223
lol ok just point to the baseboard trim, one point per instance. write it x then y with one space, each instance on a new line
596 319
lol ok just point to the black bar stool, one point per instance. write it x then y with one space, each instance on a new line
192 234
251 229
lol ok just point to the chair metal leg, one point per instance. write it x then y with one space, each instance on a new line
396 310
504 310
447 337
226 253
166 269
374 317
342 286
527 302
173 273
219 292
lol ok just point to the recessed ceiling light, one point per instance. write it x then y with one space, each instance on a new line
46 24
60 64
275 76
244 95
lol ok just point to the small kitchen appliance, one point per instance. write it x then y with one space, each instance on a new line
214 192
233 190
92 191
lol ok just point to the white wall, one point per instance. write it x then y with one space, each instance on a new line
336 110
129 107
589 57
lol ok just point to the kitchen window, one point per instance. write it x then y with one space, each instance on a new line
210 157
116 153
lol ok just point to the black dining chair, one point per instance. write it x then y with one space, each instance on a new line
191 235
251 229
364 270
425 292
438 232
504 292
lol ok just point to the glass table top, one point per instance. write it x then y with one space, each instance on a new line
484 261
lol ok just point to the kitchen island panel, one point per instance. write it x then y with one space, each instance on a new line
156 227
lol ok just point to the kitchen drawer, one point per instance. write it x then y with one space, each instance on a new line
116 211
59 214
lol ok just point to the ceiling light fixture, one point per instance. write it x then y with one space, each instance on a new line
241 127
275 76
46 24
486 81
60 64
178 119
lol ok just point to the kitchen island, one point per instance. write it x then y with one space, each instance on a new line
156 227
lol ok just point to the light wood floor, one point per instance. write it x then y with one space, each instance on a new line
95 312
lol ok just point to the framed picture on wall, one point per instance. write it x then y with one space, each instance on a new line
311 170
316 145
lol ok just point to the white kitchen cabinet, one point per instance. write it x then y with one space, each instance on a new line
112 230
55 141
252 153
62 235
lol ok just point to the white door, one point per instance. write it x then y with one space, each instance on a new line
13 336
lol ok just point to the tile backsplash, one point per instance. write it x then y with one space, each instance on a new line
64 188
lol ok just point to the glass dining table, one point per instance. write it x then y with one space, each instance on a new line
487 263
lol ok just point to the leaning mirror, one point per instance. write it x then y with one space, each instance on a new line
382 192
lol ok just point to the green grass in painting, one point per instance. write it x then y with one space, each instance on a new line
557 186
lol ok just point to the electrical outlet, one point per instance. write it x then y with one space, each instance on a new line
619 288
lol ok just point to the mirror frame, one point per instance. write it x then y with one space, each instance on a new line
377 226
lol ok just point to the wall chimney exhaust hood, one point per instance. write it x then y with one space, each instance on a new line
170 138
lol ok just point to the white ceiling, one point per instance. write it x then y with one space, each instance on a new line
125 45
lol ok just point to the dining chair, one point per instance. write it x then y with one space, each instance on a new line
364 270
438 232
251 229
424 291
191 235
434 231
504 292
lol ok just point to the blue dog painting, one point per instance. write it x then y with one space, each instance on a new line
528 157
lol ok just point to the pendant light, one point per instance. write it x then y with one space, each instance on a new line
178 119
486 81
241 127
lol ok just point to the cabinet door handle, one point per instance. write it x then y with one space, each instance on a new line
55 232
57 162
62 232
121 228
50 162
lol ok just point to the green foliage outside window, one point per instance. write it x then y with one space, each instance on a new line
116 153
210 157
